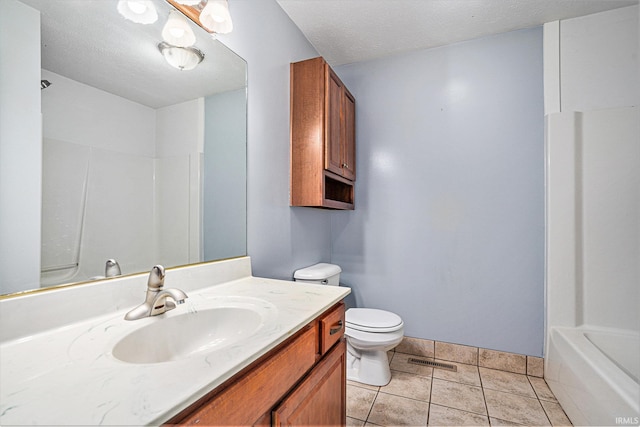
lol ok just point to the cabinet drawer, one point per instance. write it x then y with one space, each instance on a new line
332 327
260 389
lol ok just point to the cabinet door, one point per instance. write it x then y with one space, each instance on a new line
321 397
333 125
349 136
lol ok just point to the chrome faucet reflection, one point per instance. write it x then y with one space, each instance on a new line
112 268
157 300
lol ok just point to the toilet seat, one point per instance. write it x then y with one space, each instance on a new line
373 320
368 340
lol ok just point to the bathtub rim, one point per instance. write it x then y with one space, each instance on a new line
592 374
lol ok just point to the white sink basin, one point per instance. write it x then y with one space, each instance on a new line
187 334
203 325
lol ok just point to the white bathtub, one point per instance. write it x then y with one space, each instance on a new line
594 375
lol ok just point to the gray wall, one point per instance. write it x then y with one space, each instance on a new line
224 184
20 147
448 230
448 226
280 238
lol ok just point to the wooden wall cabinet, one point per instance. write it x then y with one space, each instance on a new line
323 138
301 382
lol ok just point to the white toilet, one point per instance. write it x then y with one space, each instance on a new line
370 332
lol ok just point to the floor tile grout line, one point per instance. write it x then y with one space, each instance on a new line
372 405
431 378
430 394
459 410
484 398
540 402
534 389
555 400
377 393
402 396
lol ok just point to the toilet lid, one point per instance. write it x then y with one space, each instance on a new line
373 320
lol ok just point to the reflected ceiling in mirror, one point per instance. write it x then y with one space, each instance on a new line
90 42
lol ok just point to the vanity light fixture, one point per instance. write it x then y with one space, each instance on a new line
212 15
177 31
182 58
138 11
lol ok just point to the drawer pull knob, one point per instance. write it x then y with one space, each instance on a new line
336 330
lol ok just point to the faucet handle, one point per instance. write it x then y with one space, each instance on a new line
156 278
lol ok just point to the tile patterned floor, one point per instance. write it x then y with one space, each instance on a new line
472 396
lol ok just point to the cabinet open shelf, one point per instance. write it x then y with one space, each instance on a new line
338 193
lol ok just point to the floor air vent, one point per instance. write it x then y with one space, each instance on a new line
432 364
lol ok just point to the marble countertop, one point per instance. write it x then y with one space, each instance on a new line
69 376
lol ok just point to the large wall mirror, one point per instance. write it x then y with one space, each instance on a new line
143 162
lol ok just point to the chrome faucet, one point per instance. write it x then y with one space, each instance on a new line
157 301
112 268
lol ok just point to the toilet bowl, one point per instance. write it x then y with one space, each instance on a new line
369 332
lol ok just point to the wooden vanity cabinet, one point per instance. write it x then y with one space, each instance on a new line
300 382
323 143
319 398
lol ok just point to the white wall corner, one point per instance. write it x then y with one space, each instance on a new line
562 139
551 64
200 125
196 243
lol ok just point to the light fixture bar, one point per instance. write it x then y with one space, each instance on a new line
212 15
191 12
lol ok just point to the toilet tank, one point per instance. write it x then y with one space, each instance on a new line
320 274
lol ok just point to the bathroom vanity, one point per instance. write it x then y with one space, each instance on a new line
241 350
301 382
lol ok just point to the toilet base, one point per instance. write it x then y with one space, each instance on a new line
368 367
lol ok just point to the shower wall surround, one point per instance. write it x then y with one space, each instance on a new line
104 159
592 361
90 194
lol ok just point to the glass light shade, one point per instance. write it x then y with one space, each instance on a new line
177 31
138 11
216 17
189 2
182 58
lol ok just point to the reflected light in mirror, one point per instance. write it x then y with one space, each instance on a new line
214 17
177 31
138 11
182 58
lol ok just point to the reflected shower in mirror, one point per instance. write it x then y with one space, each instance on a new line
143 163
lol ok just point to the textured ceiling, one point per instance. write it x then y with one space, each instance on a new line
88 41
346 31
